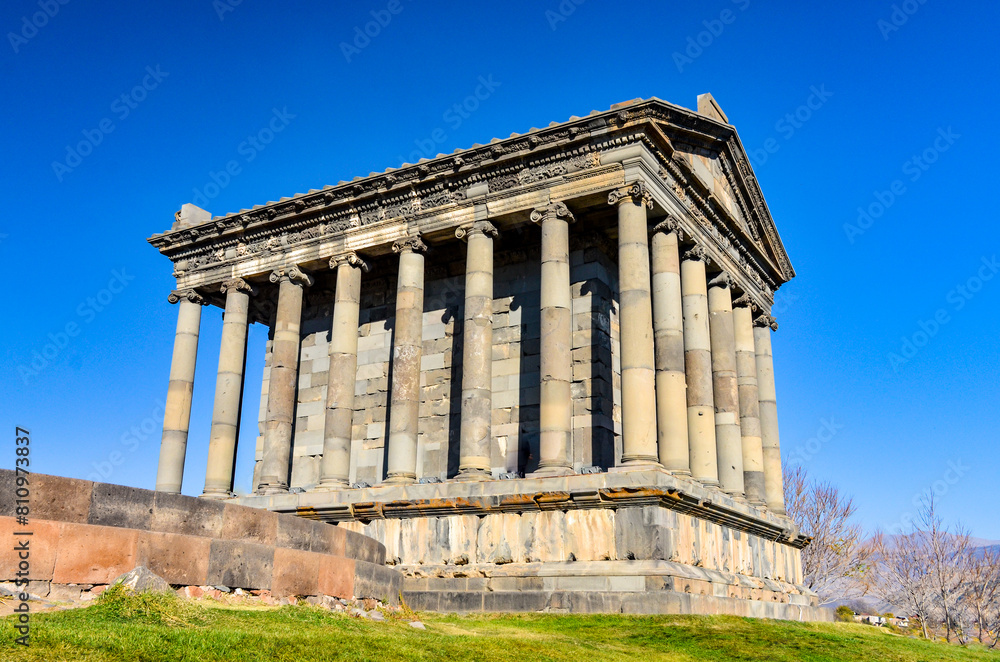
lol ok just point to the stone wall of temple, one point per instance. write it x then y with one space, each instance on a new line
596 387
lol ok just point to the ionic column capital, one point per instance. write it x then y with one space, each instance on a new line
478 227
237 285
744 301
292 274
637 192
668 225
721 279
189 295
766 320
554 210
350 258
697 253
409 245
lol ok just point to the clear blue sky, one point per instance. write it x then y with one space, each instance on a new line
74 249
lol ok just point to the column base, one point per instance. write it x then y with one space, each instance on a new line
400 479
331 485
544 472
469 475
642 464
268 490
217 496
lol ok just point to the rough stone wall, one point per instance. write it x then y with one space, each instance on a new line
596 385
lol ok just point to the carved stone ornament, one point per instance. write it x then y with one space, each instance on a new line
668 225
766 320
292 273
238 285
409 245
722 279
638 192
350 258
698 253
191 295
556 209
479 227
744 301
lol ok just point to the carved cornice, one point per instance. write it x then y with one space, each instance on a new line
766 320
293 274
670 224
350 258
237 285
479 227
554 210
721 279
188 295
409 245
638 193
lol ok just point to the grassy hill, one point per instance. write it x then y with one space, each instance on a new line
151 628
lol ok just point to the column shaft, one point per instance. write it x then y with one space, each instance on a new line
746 375
282 383
556 343
477 356
773 480
668 331
407 347
335 468
225 431
698 368
724 386
177 413
639 443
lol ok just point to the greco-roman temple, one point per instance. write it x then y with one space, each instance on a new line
537 370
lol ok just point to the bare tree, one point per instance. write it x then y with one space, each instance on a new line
900 574
947 566
982 593
835 563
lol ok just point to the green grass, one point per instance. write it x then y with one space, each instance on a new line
161 627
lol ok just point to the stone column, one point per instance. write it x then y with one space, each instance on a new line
698 368
725 389
639 444
477 356
283 380
177 413
746 375
225 432
335 468
773 480
556 360
407 346
668 332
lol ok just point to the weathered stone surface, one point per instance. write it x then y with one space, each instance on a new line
119 506
142 580
175 513
240 564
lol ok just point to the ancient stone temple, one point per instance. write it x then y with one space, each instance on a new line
538 370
